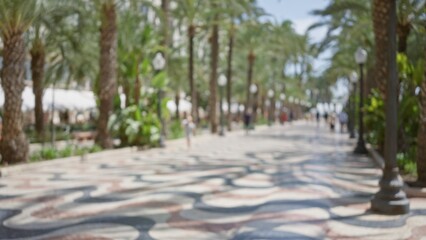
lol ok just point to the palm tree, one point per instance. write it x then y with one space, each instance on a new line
214 41
15 18
234 10
48 29
107 68
37 69
250 39
188 12
421 135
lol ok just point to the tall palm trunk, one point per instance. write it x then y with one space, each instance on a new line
37 70
13 145
108 42
421 136
177 101
381 17
250 58
213 75
229 75
191 34
403 31
137 90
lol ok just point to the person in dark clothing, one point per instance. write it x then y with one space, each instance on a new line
326 117
247 120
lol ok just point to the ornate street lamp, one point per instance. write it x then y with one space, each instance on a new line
271 108
253 90
353 79
361 58
391 199
221 82
159 63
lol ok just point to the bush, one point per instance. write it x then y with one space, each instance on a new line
176 130
407 163
49 153
135 126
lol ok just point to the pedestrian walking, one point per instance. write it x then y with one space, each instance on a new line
247 120
343 119
332 122
326 117
291 116
189 126
318 117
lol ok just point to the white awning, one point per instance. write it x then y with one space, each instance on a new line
63 99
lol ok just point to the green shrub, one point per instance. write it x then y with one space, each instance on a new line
176 130
49 153
406 162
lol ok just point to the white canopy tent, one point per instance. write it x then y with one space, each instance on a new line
184 106
63 99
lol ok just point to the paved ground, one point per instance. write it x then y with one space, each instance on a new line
292 182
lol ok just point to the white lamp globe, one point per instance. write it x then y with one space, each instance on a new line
354 77
253 88
159 62
360 56
222 80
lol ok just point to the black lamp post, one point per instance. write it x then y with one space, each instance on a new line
391 199
353 79
271 107
253 90
159 63
361 58
52 122
221 82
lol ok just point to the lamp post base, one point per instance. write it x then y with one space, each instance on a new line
390 199
221 132
360 148
161 142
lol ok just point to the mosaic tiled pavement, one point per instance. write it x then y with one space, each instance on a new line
292 182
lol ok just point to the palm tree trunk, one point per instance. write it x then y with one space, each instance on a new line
137 90
13 145
37 70
213 75
250 58
403 31
381 17
229 76
108 42
177 100
421 136
191 34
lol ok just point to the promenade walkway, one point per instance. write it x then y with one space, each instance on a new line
292 182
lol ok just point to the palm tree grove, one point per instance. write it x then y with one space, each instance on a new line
213 119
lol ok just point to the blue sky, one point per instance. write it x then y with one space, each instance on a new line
297 11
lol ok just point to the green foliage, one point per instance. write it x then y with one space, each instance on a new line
261 120
49 153
176 130
375 118
406 161
138 125
408 114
